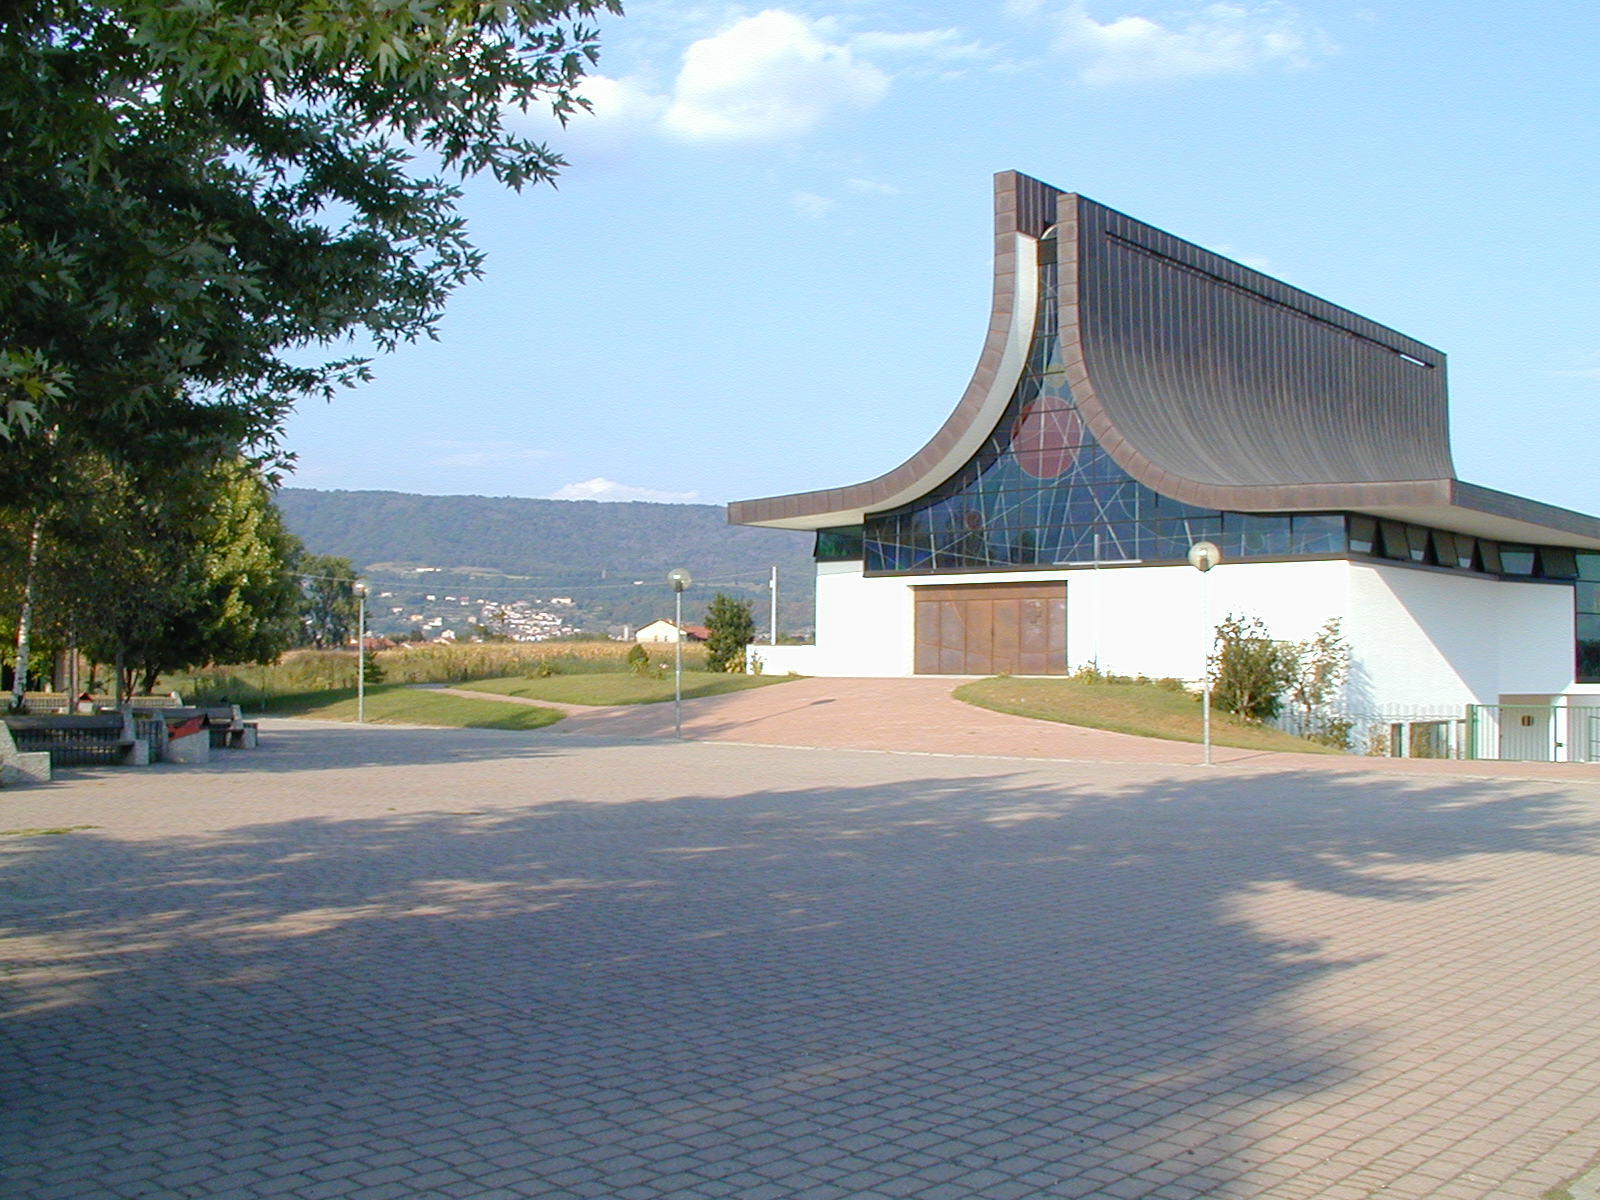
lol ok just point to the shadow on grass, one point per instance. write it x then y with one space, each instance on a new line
616 688
405 704
984 983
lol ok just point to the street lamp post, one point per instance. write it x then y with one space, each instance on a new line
1202 557
679 579
361 653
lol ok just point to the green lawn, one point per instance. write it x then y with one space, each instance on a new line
615 688
1144 709
398 704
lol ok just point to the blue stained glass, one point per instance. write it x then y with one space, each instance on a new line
1041 491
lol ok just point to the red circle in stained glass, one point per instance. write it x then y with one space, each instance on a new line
1045 437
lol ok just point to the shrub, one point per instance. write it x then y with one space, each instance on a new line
639 660
1321 667
732 627
1249 671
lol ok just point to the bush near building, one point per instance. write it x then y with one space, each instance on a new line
732 626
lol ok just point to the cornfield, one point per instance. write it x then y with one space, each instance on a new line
303 671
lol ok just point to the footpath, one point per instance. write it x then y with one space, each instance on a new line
920 716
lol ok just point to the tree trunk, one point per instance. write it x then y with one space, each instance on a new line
25 619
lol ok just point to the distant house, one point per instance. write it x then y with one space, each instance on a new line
666 631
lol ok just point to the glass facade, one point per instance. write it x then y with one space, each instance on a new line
1588 615
1042 492
839 544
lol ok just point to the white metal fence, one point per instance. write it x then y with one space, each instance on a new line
1520 732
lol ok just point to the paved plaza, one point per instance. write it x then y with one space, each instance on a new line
375 963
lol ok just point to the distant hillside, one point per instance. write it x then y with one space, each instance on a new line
510 548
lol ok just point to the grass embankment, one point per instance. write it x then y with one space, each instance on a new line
1145 709
399 704
614 688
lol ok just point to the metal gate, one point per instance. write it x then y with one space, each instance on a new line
1534 732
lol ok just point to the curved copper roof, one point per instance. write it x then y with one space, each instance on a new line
1209 382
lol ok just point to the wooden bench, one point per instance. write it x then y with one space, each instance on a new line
76 740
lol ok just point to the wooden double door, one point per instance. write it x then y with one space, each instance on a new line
992 629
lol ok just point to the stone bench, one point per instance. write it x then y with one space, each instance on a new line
17 766
80 739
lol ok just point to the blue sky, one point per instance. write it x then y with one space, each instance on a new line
767 266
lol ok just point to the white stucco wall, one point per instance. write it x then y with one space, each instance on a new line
1153 620
783 660
1419 639
863 625
1438 638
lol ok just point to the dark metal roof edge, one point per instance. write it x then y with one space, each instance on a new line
1029 206
1144 463
1476 498
1275 288
1021 205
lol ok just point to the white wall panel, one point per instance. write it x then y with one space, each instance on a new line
1419 638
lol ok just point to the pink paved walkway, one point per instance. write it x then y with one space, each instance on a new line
920 716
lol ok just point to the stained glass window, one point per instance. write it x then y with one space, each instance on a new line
1042 492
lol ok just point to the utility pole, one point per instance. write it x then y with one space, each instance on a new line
679 579
1202 557
361 654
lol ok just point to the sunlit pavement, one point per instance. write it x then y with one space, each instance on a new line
373 963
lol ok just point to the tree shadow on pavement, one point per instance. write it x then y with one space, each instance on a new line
989 986
289 746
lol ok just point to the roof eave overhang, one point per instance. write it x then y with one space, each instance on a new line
1309 481
1484 512
1024 209
1005 353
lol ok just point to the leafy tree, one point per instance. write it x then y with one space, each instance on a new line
638 659
156 577
246 600
193 195
1249 670
732 627
329 610
1321 667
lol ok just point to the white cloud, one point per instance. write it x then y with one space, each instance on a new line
871 187
936 45
765 78
811 205
620 110
1217 39
600 488
620 103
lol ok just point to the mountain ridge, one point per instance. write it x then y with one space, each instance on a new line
591 550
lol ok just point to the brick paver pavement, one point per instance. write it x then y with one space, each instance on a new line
370 963
920 716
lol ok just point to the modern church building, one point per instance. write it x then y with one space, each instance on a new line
1137 394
